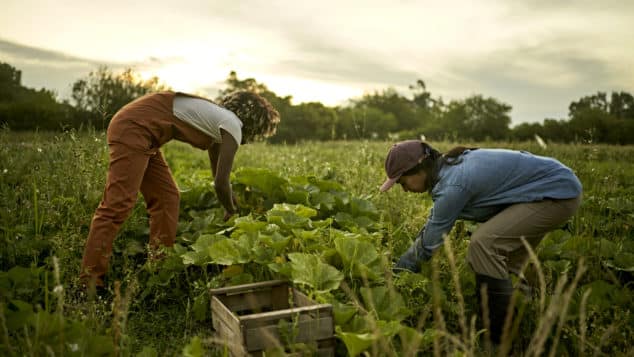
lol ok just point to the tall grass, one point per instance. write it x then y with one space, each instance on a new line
50 184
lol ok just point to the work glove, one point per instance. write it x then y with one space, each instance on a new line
411 259
407 262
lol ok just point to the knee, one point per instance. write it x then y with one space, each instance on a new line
165 200
116 211
171 199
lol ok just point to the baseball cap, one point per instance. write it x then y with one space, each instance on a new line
402 157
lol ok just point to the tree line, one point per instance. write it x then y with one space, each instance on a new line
385 114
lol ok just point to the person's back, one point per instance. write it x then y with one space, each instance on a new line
501 177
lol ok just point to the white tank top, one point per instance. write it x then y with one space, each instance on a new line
207 117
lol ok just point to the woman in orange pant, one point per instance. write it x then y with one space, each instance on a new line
134 136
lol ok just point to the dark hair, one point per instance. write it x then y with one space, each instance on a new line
454 153
258 116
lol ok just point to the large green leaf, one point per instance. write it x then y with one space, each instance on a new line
291 216
323 201
276 241
413 340
249 225
361 207
343 312
325 185
386 303
265 180
346 220
360 258
342 199
310 270
389 328
356 342
230 251
284 269
200 253
297 196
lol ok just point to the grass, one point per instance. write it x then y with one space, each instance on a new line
50 184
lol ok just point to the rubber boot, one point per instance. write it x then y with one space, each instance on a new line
499 292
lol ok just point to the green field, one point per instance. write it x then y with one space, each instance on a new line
311 214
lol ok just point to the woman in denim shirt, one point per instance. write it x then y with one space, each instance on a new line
516 194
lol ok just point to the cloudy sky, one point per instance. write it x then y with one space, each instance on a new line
535 55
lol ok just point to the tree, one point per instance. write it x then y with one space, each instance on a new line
249 84
599 119
477 118
364 123
307 121
10 82
23 108
620 105
487 118
102 93
526 131
390 101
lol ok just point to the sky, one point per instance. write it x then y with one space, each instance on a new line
535 55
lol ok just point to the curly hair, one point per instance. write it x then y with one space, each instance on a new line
258 116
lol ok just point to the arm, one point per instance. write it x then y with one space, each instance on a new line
442 217
213 152
221 158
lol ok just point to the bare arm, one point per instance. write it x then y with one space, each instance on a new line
213 152
221 158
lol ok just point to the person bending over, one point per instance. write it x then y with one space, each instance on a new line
514 193
134 137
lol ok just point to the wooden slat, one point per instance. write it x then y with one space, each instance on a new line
245 288
255 301
220 314
300 299
280 297
268 336
266 317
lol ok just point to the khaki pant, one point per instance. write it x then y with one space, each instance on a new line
496 248
135 165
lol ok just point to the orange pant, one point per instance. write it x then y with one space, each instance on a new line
135 164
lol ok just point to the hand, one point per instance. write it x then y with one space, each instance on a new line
406 264
408 261
235 204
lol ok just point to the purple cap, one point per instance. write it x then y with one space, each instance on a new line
402 157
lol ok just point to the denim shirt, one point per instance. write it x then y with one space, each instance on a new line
481 184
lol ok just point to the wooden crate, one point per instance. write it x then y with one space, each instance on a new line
251 318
